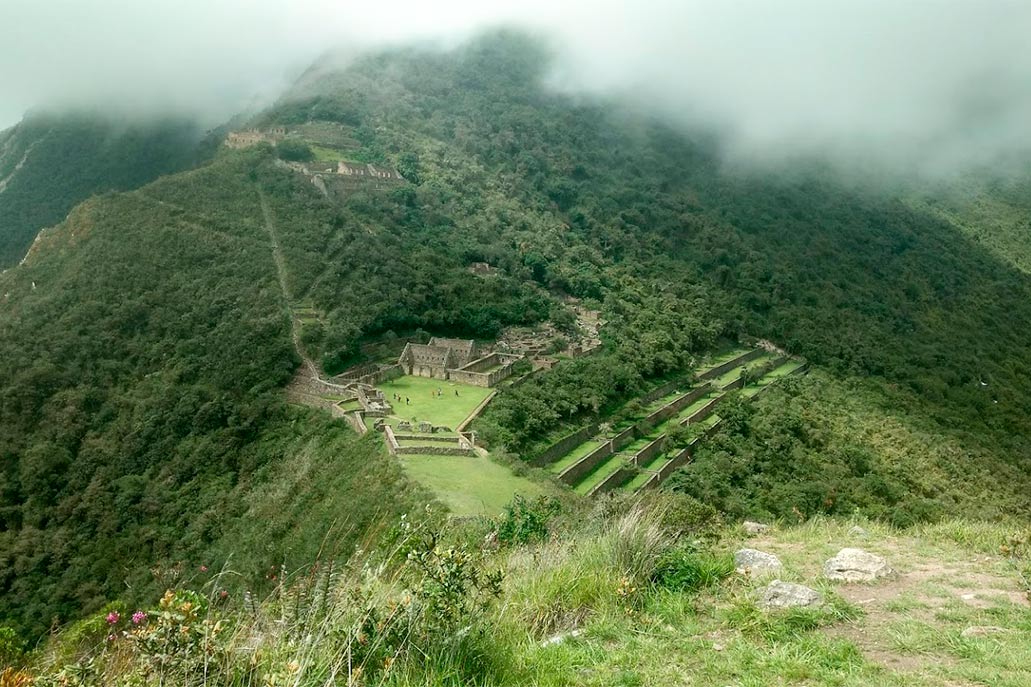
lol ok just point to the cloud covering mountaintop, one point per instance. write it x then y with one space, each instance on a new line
926 85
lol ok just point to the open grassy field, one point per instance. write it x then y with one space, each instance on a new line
469 486
466 485
448 409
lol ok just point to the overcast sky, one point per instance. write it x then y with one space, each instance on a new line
906 83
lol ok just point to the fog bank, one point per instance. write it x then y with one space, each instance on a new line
918 86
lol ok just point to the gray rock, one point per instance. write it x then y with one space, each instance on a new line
982 631
857 531
856 565
753 528
561 637
779 594
753 562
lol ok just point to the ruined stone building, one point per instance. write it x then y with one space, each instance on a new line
354 169
252 137
458 360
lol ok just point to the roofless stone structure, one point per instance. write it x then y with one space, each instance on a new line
458 360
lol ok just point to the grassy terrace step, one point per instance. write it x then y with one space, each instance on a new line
773 376
599 474
733 375
657 462
639 480
638 444
658 403
574 455
697 405
720 359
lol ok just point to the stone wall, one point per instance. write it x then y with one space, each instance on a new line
476 412
625 437
575 472
427 437
675 406
612 481
649 451
727 366
483 364
674 463
736 384
705 411
356 422
658 392
356 373
392 444
382 375
564 445
470 378
435 451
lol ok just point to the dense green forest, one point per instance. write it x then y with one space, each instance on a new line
49 163
145 344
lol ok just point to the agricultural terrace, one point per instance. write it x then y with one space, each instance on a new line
467 485
638 452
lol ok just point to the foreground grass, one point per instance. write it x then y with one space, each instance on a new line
627 594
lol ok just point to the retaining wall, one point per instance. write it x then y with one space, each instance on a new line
736 384
649 451
659 392
625 437
427 437
575 472
435 451
652 482
612 481
476 412
675 406
564 445
675 462
356 373
731 364
392 444
800 370
380 376
703 412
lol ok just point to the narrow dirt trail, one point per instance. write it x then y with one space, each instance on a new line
310 372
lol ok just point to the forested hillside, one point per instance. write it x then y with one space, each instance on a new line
145 343
48 163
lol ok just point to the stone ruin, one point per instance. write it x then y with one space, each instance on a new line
458 360
252 137
373 402
483 269
538 343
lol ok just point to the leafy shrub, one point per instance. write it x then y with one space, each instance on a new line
294 151
526 521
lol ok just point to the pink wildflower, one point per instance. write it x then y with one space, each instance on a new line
111 638
203 568
113 617
138 617
224 594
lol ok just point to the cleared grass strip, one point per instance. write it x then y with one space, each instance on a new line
599 474
575 455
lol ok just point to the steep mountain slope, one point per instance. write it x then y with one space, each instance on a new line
145 341
141 346
49 163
